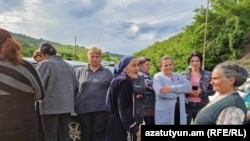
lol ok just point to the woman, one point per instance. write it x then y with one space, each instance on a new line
200 79
120 101
37 56
228 107
20 86
94 82
149 94
60 83
170 89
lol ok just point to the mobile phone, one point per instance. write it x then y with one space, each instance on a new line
194 87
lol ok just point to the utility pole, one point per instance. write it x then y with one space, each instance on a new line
205 36
75 46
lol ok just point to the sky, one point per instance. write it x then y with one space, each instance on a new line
116 26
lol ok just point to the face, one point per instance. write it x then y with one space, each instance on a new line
132 69
195 63
167 66
145 67
220 83
95 59
38 58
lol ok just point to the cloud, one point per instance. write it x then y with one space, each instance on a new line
116 26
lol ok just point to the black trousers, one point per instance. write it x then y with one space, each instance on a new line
192 108
93 126
56 127
177 112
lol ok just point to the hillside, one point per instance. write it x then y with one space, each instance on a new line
227 37
30 44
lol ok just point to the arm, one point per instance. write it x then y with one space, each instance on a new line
182 85
139 86
231 116
159 86
44 71
126 106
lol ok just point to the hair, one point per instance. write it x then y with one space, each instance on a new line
94 50
36 53
47 48
9 48
165 57
196 54
142 60
233 70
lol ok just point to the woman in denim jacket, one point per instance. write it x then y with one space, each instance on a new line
200 79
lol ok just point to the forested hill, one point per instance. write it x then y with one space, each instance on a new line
29 45
228 37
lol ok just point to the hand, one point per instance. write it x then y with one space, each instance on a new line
248 115
165 89
138 133
195 93
139 96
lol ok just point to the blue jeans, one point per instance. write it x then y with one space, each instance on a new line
56 127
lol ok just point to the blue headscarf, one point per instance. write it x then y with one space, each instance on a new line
122 64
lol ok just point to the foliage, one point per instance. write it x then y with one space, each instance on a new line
227 27
29 45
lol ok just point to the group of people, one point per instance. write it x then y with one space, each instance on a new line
111 106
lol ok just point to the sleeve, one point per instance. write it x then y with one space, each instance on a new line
126 106
183 86
44 71
209 91
231 116
139 85
36 82
158 84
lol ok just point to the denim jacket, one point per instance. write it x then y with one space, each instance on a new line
205 86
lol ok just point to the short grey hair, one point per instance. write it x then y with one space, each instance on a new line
229 69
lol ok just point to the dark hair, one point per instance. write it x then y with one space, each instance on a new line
197 54
47 48
142 60
9 48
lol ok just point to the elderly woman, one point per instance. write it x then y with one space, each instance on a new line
228 108
170 89
94 82
120 101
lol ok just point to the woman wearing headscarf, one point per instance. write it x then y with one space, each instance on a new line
228 107
20 86
121 102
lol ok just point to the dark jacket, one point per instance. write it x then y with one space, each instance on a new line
121 104
93 89
139 89
205 86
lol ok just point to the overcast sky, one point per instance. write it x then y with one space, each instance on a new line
116 26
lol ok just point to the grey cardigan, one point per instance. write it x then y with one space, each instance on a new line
165 102
60 82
